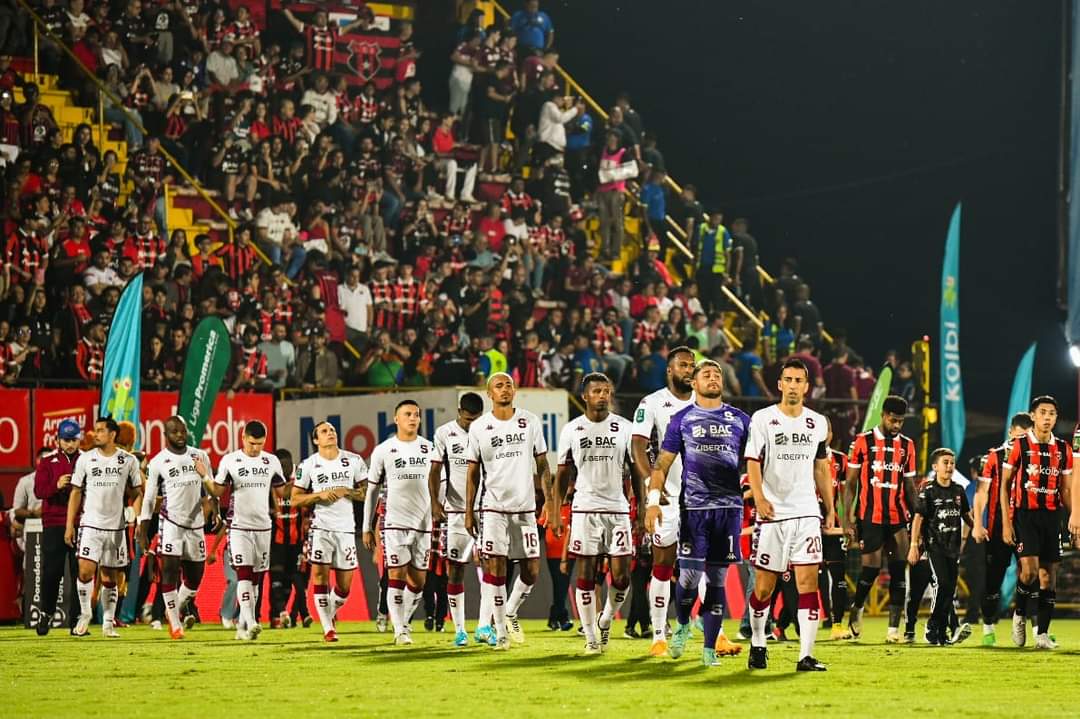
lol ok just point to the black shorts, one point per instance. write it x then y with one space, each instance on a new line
491 131
1038 534
833 547
872 537
998 554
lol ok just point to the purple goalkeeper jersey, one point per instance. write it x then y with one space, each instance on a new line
711 442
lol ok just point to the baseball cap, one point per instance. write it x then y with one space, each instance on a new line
69 429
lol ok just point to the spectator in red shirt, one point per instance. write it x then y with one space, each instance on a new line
840 384
491 225
444 144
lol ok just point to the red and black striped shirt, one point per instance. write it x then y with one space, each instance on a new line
407 296
1039 470
991 472
884 463
320 46
382 296
288 524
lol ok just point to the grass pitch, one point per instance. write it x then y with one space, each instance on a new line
290 673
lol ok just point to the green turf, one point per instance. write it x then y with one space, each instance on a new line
292 673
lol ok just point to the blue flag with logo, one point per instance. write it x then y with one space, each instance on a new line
1020 397
953 418
123 357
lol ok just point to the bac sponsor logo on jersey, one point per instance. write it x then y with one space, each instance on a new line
510 439
175 472
597 443
399 463
712 430
254 471
457 448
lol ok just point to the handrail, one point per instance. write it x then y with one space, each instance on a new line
40 26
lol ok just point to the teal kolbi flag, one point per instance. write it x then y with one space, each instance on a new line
953 417
123 357
1020 397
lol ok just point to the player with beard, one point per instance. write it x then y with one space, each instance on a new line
255 480
650 425
711 438
178 472
106 477
998 554
450 465
330 481
881 487
597 446
786 458
1035 484
504 444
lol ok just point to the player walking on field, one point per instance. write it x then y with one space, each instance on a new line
504 447
105 477
651 420
330 481
881 485
787 457
254 478
449 466
1035 483
401 466
178 473
597 446
710 436
988 501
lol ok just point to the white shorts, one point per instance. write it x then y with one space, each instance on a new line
249 548
406 546
787 542
457 544
336 549
177 541
667 534
513 536
105 547
593 534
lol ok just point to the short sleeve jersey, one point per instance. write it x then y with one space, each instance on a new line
943 510
506 452
1040 471
711 443
104 481
600 452
451 451
250 480
181 488
316 474
401 469
651 422
787 448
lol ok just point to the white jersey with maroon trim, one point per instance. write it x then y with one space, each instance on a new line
651 421
401 469
250 480
787 448
600 451
506 452
316 474
451 451
103 481
180 486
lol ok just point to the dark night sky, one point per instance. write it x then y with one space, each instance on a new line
846 131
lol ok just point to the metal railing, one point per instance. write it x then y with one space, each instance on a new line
41 29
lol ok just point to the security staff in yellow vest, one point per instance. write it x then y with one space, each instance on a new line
713 253
492 360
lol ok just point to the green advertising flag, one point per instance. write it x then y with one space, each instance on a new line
207 363
881 391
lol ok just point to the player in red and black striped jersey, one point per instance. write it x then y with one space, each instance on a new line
286 545
1035 481
987 501
879 491
834 551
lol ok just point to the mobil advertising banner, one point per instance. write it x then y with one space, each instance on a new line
223 432
363 421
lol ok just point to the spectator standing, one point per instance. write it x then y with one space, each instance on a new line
609 197
318 367
466 61
355 301
713 252
280 355
840 385
532 27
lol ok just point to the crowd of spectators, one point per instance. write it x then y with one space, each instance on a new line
407 244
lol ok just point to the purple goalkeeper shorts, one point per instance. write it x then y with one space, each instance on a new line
711 535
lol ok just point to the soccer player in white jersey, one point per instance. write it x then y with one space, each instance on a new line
597 445
651 420
330 480
786 458
177 472
446 484
508 454
255 478
401 465
106 477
